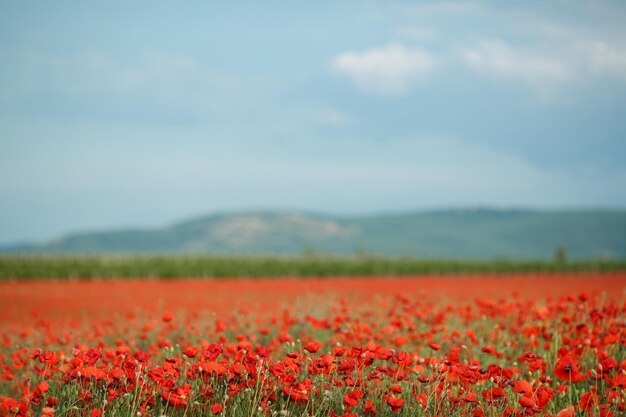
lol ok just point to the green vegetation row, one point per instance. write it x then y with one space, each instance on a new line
177 266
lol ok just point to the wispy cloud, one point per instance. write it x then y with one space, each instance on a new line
604 59
557 63
499 59
390 70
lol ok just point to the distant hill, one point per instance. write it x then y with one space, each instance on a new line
458 234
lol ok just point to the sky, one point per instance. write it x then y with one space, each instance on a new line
140 114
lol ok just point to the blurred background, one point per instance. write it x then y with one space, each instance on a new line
432 129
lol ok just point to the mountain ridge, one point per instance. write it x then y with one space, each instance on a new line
460 233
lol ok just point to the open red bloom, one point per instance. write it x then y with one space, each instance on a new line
566 369
395 403
312 347
618 380
569 411
527 401
587 401
523 387
470 397
493 394
352 398
167 316
191 352
47 411
369 408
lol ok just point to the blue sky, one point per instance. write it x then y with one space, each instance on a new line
144 113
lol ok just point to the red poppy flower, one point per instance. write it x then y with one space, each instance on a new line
618 380
47 411
494 394
312 347
566 369
569 411
191 352
352 398
395 403
523 387
368 407
527 401
587 401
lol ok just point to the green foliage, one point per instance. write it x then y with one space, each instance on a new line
308 265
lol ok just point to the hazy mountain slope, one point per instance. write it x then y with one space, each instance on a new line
480 233
497 233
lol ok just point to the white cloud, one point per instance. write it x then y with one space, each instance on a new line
604 59
391 70
500 59
558 62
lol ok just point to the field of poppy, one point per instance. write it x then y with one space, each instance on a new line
519 345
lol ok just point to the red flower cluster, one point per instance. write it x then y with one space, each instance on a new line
508 357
